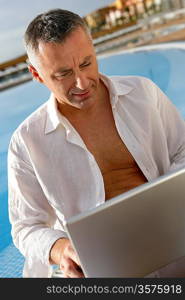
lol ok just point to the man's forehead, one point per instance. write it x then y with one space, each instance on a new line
63 51
65 54
44 47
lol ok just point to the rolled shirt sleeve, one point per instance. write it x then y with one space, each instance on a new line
30 213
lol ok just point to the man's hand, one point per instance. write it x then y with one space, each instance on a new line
63 254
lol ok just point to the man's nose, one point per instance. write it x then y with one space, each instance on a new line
81 81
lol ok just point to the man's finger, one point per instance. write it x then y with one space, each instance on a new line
71 269
74 256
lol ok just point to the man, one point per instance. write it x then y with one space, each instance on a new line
95 138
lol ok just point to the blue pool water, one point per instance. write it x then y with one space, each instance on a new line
164 67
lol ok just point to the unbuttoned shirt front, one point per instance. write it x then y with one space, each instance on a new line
52 175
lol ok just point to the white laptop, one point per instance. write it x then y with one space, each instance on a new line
135 233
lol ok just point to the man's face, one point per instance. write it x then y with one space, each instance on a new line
69 70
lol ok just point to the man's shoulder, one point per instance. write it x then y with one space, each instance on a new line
34 122
132 81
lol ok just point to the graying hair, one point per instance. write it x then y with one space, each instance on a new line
52 26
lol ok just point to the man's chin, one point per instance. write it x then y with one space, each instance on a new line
83 104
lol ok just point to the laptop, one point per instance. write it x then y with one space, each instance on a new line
135 233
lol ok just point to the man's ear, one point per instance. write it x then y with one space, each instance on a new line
34 73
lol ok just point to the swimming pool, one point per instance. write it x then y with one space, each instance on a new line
164 64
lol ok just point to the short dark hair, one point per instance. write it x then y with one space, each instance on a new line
52 26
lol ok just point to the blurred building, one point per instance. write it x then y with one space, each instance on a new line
119 14
172 4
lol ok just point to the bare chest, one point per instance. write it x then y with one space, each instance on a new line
118 167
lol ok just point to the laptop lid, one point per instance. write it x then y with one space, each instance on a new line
135 233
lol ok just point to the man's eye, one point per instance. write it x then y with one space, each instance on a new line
62 75
85 65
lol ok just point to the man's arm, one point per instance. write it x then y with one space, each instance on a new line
174 127
33 218
30 213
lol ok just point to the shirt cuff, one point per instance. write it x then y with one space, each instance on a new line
47 241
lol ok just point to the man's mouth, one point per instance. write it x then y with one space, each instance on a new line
81 95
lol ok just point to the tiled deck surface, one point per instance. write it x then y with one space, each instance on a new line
11 262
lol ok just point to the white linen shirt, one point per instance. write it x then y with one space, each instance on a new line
52 175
